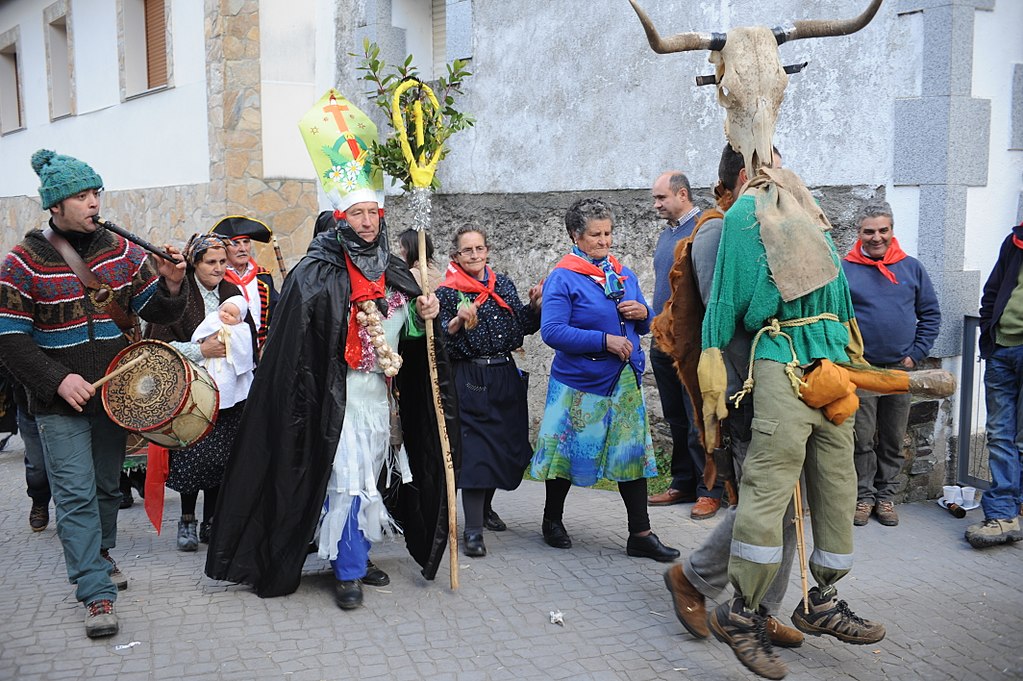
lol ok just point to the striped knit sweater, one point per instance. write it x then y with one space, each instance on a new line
49 328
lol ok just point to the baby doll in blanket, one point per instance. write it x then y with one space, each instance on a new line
233 373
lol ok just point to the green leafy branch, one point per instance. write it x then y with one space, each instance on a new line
383 80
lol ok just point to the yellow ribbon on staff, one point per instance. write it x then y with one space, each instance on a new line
422 171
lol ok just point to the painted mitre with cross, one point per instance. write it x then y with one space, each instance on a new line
340 138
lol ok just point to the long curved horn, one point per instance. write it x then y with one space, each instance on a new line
683 42
824 28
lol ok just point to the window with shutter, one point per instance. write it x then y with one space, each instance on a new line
11 113
156 44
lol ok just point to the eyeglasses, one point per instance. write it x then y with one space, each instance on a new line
467 252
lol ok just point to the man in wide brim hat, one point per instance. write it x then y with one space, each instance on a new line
256 282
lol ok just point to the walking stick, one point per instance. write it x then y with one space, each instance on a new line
797 501
422 179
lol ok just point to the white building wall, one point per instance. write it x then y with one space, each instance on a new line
160 139
991 210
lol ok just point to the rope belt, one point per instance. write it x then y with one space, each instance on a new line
774 328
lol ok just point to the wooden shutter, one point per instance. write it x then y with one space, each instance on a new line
156 44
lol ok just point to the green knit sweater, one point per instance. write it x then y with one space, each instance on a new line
743 293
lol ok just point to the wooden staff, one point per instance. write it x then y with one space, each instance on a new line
797 501
280 256
120 370
442 428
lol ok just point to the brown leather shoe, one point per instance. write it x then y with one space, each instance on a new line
669 497
885 512
782 636
690 605
863 511
706 507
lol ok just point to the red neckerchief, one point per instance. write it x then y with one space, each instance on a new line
457 279
574 263
893 255
1016 240
243 281
362 289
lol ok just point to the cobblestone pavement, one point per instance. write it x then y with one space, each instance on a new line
951 612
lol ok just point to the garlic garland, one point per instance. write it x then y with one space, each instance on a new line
369 318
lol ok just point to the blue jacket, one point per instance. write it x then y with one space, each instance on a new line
998 290
575 318
896 320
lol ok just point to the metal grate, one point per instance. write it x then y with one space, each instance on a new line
972 464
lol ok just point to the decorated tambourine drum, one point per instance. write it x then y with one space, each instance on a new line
166 398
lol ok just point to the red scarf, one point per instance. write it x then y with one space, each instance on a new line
241 282
362 289
456 278
157 471
1016 240
893 255
574 263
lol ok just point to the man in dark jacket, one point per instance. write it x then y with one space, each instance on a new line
899 318
311 449
1001 344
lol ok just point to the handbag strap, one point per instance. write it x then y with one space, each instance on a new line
101 294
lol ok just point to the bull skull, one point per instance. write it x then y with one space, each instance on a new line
750 77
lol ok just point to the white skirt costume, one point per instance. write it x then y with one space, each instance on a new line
364 448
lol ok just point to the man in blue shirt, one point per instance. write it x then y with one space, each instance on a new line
899 317
673 203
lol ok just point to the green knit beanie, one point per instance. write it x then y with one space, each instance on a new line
62 176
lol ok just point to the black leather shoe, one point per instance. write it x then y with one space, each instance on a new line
473 544
204 532
375 576
650 547
348 594
493 522
555 534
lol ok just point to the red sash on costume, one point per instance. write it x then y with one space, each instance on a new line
574 263
362 289
457 279
893 255
157 470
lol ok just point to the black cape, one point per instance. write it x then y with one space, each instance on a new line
276 477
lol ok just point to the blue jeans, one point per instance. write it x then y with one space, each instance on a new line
352 548
83 456
687 455
1003 385
36 482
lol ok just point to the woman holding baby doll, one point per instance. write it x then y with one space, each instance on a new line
217 332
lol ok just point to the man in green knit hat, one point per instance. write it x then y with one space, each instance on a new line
57 337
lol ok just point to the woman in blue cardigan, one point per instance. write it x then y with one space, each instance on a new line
595 422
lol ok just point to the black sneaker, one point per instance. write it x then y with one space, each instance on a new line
39 517
745 632
375 576
116 576
830 616
348 594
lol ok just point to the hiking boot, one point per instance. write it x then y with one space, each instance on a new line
783 636
39 517
746 633
828 615
375 576
690 605
863 511
100 620
705 507
994 531
116 576
188 537
885 512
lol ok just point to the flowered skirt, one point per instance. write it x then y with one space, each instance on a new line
585 437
